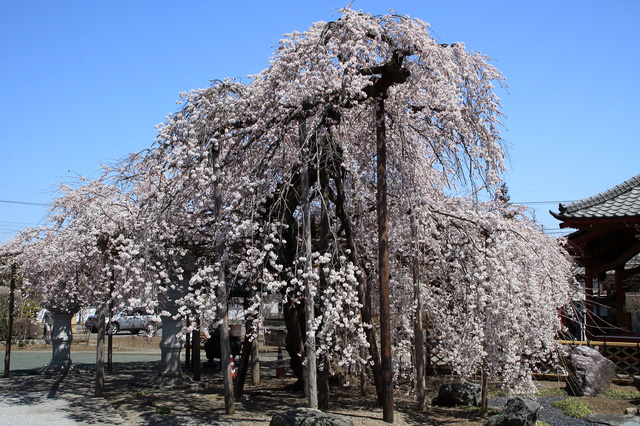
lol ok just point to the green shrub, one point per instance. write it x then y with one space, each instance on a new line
573 407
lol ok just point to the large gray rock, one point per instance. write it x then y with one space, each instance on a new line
589 372
309 417
519 411
451 394
614 419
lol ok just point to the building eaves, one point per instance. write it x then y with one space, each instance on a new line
621 201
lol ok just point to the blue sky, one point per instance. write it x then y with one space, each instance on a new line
86 82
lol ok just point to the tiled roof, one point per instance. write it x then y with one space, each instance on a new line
622 201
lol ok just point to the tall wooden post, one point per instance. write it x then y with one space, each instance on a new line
195 365
187 350
622 321
255 361
309 314
383 263
12 291
484 393
323 373
225 354
99 383
110 335
417 327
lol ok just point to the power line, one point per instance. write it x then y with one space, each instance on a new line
544 202
23 202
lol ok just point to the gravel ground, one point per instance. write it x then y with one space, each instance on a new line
130 395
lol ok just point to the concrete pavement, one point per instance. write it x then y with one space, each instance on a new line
43 409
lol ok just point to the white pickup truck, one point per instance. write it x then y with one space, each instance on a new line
132 320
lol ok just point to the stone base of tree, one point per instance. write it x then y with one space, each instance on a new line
172 382
451 394
57 367
309 417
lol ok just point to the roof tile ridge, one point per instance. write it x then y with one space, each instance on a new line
622 188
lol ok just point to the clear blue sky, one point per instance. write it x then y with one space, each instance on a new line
84 82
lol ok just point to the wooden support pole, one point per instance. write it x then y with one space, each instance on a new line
309 314
187 350
417 325
110 334
622 318
484 395
383 263
12 292
225 354
255 361
195 364
323 372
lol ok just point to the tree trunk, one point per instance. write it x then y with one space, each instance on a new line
243 367
295 343
309 314
12 292
249 351
383 264
99 388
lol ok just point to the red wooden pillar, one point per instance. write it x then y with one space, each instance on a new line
622 318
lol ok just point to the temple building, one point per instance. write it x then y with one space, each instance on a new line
606 246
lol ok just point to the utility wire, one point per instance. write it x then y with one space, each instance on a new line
22 202
544 202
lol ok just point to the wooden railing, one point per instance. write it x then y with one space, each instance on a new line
625 356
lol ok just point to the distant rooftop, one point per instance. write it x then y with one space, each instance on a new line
619 202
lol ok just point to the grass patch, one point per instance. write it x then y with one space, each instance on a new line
620 394
552 392
541 423
163 410
573 407
148 403
143 393
490 410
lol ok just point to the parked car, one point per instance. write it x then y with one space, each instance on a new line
212 346
132 320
